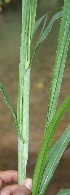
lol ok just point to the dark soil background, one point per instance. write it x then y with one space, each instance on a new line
41 73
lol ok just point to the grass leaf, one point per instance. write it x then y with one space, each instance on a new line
54 156
9 104
44 34
47 30
47 140
63 42
37 23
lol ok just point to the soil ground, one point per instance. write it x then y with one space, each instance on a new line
41 73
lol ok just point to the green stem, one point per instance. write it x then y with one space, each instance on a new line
28 19
21 165
23 94
24 139
24 130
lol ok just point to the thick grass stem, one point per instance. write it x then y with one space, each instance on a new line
28 20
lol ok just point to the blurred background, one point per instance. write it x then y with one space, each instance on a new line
41 73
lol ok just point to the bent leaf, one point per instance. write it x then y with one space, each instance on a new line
54 156
38 22
43 35
47 140
47 30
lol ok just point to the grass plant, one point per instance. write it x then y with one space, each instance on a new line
48 157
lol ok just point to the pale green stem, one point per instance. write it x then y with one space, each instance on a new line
23 94
24 140
21 167
28 19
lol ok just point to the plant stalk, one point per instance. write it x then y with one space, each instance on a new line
23 93
24 128
28 20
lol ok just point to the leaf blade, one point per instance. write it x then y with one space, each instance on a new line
54 156
44 35
47 140
64 37
38 22
7 100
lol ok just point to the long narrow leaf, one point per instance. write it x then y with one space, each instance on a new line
64 192
54 156
43 36
47 140
64 37
47 30
9 104
38 22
